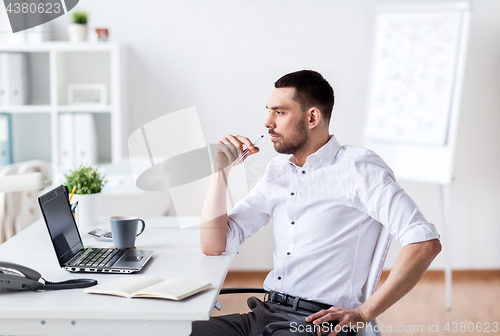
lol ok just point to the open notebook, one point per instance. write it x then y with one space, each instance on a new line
150 287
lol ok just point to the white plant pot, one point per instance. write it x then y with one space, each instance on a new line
77 32
87 211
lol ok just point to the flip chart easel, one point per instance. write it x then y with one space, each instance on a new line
413 111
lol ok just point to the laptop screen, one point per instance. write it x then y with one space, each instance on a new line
61 224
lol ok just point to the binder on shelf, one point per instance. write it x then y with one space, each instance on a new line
66 139
13 79
5 139
77 139
4 78
85 139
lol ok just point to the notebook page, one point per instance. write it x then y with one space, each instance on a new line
175 288
124 285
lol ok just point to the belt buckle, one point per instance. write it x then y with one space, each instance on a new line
272 296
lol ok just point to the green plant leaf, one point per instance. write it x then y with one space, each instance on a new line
87 180
80 17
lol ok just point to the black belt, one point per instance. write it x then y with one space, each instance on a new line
298 303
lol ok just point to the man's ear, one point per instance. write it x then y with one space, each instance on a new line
314 117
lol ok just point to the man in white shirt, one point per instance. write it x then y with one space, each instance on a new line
327 202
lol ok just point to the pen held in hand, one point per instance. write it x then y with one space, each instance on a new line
245 152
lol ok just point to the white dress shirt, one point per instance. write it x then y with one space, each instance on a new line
326 217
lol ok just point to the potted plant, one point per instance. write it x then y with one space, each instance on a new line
88 182
78 29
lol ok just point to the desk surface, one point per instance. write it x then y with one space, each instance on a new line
71 312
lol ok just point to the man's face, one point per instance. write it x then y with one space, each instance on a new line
286 122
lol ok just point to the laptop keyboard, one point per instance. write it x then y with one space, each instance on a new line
100 257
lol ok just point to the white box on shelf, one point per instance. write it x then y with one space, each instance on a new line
17 38
87 94
39 34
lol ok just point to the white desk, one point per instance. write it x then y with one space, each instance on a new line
71 312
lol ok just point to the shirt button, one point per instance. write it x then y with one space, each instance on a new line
293 223
288 253
279 278
303 172
292 194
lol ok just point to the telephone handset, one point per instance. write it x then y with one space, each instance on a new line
18 277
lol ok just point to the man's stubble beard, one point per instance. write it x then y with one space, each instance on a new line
298 139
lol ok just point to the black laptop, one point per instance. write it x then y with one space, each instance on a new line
68 244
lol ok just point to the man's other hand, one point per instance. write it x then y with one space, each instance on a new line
346 317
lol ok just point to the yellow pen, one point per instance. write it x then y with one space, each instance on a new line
72 192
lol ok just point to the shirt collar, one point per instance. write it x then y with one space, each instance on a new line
328 151
324 155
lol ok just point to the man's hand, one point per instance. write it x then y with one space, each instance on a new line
214 219
229 149
346 317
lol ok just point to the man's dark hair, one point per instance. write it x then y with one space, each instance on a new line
311 89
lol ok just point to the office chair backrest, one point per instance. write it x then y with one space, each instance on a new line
19 209
377 265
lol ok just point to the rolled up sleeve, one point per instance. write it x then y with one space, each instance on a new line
376 192
247 217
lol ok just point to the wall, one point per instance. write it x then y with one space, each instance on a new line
224 55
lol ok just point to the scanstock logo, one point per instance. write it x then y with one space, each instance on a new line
28 14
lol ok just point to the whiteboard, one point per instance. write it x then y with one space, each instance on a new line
417 71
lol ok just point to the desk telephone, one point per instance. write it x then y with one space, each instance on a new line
18 277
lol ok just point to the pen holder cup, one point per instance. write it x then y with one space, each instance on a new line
73 211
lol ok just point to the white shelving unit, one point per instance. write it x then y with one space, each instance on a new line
52 66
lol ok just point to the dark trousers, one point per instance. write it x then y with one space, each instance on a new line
253 323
